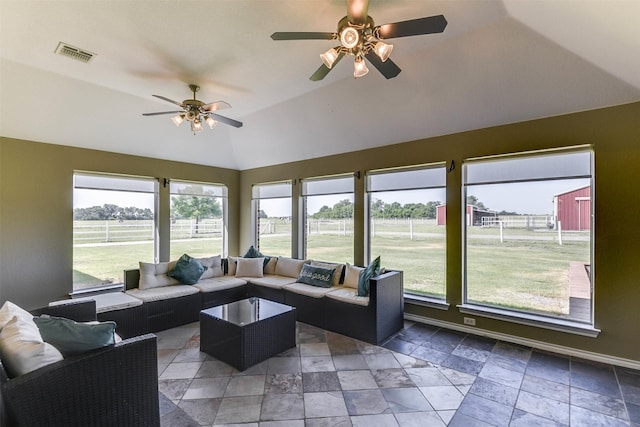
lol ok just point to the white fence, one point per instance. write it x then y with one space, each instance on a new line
519 221
142 230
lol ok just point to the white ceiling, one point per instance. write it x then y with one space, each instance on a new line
497 62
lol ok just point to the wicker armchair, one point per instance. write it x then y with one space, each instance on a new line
111 386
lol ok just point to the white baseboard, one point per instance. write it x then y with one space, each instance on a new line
541 345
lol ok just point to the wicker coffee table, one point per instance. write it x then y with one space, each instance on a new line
248 331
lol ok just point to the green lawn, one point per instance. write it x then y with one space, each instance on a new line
528 271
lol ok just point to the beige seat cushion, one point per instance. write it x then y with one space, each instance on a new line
110 301
337 267
272 281
348 295
219 283
307 290
351 276
163 292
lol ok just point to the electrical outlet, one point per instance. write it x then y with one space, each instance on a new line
470 321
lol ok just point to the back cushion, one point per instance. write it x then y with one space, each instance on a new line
351 276
270 266
214 267
155 275
9 310
289 267
22 349
232 264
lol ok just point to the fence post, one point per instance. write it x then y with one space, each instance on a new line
373 227
106 230
560 233
411 229
501 233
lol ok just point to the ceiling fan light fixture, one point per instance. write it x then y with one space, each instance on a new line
329 57
359 68
191 115
212 123
177 120
196 126
349 37
383 50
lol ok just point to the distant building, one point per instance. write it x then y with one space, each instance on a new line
573 209
474 215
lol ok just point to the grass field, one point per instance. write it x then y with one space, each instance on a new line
527 271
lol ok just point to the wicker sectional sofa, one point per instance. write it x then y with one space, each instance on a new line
115 385
336 308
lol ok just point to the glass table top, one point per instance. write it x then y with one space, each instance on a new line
247 311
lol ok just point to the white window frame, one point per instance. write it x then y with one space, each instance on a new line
410 182
269 190
516 316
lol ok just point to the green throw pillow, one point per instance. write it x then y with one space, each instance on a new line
188 270
363 279
71 337
316 276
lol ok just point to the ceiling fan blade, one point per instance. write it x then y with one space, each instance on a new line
388 68
302 36
225 120
413 27
215 106
357 11
179 104
162 112
323 70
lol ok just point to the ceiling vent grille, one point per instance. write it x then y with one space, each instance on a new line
74 52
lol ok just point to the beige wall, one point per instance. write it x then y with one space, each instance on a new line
615 136
36 211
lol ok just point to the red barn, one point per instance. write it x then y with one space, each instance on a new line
573 209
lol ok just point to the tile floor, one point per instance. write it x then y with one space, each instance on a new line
424 376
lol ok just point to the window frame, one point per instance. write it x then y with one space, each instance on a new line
255 211
413 298
90 175
223 196
304 193
521 316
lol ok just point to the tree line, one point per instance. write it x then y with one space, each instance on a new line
110 211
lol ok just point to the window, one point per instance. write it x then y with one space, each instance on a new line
272 213
529 229
404 228
198 213
328 218
114 227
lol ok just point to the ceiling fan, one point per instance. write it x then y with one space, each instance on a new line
360 37
196 112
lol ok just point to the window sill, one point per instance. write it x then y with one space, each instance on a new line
426 301
118 287
560 325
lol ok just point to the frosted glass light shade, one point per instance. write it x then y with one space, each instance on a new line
383 50
178 119
329 57
359 68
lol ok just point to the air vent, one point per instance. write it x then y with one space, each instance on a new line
74 52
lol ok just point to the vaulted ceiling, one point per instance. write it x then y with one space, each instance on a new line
497 62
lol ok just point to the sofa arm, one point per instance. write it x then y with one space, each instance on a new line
80 311
114 385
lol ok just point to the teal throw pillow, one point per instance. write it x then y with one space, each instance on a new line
188 270
316 276
363 279
71 337
254 253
